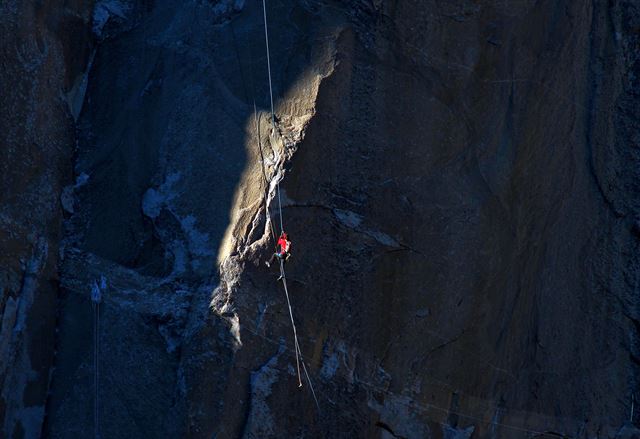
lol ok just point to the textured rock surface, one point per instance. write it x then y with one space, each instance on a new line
44 48
460 183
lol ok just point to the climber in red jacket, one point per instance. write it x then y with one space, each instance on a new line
283 250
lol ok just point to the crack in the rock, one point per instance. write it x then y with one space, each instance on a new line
387 428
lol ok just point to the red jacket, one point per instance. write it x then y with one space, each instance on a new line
284 245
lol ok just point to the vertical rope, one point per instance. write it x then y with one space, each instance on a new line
96 298
313 392
298 352
293 324
266 39
257 123
273 117
264 175
279 205
96 366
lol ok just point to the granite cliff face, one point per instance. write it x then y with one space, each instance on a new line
459 179
44 50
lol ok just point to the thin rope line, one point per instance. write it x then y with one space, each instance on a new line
273 117
304 367
279 205
264 175
257 125
98 372
96 379
298 352
95 393
293 324
266 39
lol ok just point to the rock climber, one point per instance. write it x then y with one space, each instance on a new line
283 250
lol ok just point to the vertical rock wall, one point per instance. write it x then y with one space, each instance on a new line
464 217
459 180
44 49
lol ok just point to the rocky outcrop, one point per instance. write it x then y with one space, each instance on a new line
459 180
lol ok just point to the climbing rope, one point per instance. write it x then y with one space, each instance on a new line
96 378
247 97
279 205
304 368
264 175
273 115
293 324
298 352
299 358
266 39
96 297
